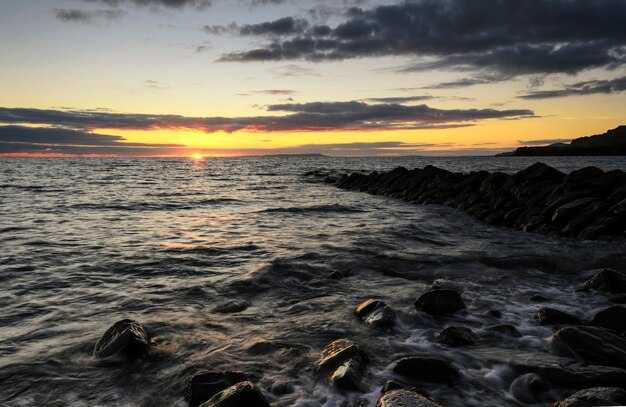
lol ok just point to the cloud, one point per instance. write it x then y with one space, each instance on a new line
285 26
293 70
608 86
316 116
496 36
401 99
82 16
465 82
276 92
198 4
543 142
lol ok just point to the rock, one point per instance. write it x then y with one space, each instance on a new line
343 363
613 318
427 369
390 385
607 280
456 336
239 395
592 344
440 302
597 396
404 398
505 329
231 307
538 298
566 212
494 313
618 299
443 284
126 337
551 316
376 313
205 385
529 388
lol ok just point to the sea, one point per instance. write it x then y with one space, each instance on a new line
246 264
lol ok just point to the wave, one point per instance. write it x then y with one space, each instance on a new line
332 208
152 206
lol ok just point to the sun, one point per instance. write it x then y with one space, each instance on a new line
197 156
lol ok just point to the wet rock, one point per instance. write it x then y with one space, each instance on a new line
551 316
239 395
538 298
205 385
427 369
440 302
529 388
613 318
504 329
231 307
343 363
592 344
566 212
618 299
443 284
456 336
494 313
597 396
376 313
126 337
404 398
607 280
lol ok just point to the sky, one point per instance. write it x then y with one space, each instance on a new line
336 77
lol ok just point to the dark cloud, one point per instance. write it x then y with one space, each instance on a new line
465 82
506 37
82 16
198 4
282 27
293 70
400 99
608 86
318 116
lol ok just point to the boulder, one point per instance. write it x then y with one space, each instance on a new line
205 385
404 398
343 363
376 313
618 299
443 284
440 302
551 316
529 388
126 337
427 369
566 212
591 344
456 336
613 318
597 396
504 329
239 395
607 280
538 298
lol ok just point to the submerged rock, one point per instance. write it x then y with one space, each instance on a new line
549 316
343 363
529 388
607 280
239 395
538 298
376 313
613 318
405 398
440 302
597 396
504 329
592 344
126 337
205 385
427 369
456 336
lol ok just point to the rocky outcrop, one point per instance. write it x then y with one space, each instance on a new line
126 337
597 396
587 204
343 364
376 313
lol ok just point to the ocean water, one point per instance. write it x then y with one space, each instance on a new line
245 264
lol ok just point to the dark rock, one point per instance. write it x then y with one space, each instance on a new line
126 337
376 313
597 396
440 302
443 284
494 313
239 395
404 398
607 280
550 316
456 336
583 174
343 363
205 385
592 344
390 385
529 388
538 298
427 369
505 329
566 212
618 299
613 318
231 307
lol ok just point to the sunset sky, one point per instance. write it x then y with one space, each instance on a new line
337 77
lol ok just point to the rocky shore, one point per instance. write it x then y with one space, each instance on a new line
587 204
589 355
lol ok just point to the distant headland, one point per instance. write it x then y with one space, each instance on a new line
613 142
